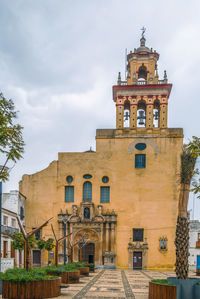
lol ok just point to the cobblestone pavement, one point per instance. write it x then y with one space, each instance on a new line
107 284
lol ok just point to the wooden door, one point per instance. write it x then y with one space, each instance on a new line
5 249
88 252
12 252
137 260
36 258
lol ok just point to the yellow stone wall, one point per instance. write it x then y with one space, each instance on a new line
142 198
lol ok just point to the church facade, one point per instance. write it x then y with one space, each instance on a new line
120 202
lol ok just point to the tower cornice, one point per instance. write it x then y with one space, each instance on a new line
146 89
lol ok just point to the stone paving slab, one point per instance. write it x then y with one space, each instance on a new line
107 284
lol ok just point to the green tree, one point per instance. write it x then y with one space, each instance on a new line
49 245
11 140
41 244
191 152
17 244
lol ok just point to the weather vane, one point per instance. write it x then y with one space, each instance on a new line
143 30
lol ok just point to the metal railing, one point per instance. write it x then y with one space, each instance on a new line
142 82
9 230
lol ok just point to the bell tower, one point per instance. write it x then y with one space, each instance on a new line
142 99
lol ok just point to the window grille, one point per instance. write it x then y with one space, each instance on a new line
138 234
87 191
69 193
140 161
105 194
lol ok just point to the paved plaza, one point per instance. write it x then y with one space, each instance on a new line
107 284
119 284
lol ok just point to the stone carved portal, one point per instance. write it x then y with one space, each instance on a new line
134 250
96 228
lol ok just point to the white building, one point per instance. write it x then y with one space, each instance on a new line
13 205
194 248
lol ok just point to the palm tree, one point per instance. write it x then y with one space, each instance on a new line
191 152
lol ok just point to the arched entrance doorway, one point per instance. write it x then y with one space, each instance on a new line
88 253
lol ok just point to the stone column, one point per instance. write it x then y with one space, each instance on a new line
163 114
112 237
119 116
130 259
149 116
100 247
107 236
133 116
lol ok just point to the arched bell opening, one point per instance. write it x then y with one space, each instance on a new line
142 73
126 114
156 114
141 114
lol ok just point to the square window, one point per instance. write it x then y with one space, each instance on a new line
140 161
69 193
37 234
138 234
5 220
13 222
105 194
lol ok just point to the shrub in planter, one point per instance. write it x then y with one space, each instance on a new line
22 284
84 270
57 271
90 265
73 273
162 289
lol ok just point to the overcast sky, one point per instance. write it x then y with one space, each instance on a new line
60 58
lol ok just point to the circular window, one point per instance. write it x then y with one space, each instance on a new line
69 179
105 179
140 146
87 176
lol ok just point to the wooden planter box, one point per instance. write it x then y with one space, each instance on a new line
31 290
198 272
92 270
158 291
64 276
74 276
84 271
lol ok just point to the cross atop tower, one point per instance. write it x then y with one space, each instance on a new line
143 31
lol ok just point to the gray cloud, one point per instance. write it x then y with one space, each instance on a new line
60 58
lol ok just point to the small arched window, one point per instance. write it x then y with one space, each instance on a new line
87 191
